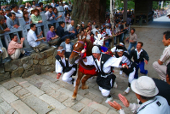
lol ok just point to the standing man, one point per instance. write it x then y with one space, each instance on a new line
52 38
132 40
50 14
161 65
103 64
15 10
141 58
34 41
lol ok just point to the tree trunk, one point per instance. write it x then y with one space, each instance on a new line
89 10
20 2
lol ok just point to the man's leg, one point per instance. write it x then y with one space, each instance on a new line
161 70
106 93
67 76
54 42
136 73
16 54
142 68
43 47
64 37
129 48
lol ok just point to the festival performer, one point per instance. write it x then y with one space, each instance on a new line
127 66
140 57
103 64
62 65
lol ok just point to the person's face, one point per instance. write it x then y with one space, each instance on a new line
138 47
41 6
50 10
33 3
16 9
82 25
96 55
120 53
67 41
92 35
2 21
82 32
26 15
61 54
25 9
132 31
34 28
7 11
13 17
165 42
62 25
1 12
46 8
15 39
116 25
55 11
87 28
72 23
36 13
52 28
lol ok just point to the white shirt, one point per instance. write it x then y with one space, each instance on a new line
53 4
108 32
31 38
151 108
165 57
111 62
18 14
138 53
69 27
68 47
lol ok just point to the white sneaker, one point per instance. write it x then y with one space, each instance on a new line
108 99
54 46
127 90
115 85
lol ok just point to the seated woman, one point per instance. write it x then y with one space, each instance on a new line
26 18
68 18
56 13
35 17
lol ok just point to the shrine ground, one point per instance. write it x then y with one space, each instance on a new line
44 94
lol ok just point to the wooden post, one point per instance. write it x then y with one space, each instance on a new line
125 11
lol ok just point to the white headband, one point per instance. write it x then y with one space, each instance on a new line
119 50
60 50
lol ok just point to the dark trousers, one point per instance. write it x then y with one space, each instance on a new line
140 65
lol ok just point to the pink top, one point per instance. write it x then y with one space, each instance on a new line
13 46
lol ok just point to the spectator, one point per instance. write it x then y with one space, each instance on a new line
160 65
67 45
70 27
2 12
56 13
3 26
34 41
46 8
141 58
82 25
96 29
68 18
91 37
52 38
12 21
15 50
35 17
21 9
15 10
108 32
132 40
89 24
41 6
33 4
3 54
88 35
26 18
146 91
7 11
60 31
50 14
93 24
53 4
77 29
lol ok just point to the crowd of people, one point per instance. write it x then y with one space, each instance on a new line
151 93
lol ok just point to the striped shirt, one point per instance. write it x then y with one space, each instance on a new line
165 57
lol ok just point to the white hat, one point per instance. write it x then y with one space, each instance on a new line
144 86
121 43
95 49
82 22
168 14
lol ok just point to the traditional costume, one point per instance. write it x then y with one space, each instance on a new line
105 78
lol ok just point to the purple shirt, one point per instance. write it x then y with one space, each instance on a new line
50 35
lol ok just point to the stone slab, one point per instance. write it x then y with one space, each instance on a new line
69 102
78 107
53 102
101 108
35 91
112 111
86 101
69 111
36 104
22 108
9 84
87 110
5 107
15 89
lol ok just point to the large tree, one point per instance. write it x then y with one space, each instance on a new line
89 10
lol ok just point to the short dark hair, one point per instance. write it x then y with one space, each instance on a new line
50 25
141 43
46 6
32 25
96 26
167 35
119 47
13 6
12 35
133 29
40 3
10 14
67 38
91 34
168 70
61 22
49 7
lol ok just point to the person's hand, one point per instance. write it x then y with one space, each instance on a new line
53 15
131 41
22 39
41 33
115 105
72 31
124 100
43 38
146 62
60 16
58 75
40 21
7 30
16 26
56 36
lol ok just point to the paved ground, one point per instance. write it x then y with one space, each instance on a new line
44 94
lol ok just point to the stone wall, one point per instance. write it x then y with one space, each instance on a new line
36 63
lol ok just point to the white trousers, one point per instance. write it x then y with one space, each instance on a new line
104 92
67 76
132 75
4 53
17 53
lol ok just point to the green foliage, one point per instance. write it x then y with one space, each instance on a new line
155 5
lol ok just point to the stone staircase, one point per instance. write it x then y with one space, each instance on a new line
44 94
